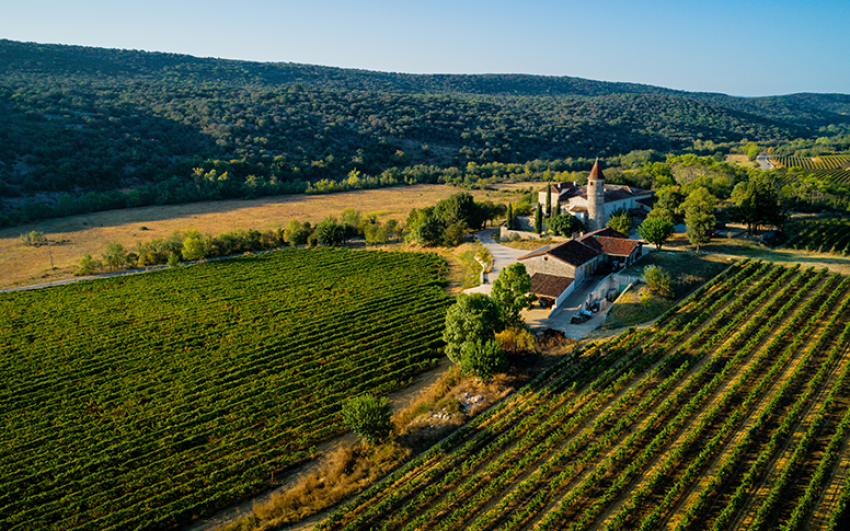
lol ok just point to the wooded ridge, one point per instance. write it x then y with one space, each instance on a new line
90 129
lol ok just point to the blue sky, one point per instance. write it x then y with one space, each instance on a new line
744 48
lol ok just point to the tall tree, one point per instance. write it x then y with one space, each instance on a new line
699 216
656 230
425 227
509 222
538 219
460 207
759 202
620 221
511 291
548 200
668 204
114 256
564 225
474 317
195 246
330 232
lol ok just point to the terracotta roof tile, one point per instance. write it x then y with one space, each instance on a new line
607 231
617 246
549 285
596 172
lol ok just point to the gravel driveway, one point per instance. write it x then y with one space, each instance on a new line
502 257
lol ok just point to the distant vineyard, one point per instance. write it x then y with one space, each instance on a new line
825 162
834 169
728 413
141 402
820 235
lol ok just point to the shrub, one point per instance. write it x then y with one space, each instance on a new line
173 259
369 417
115 256
33 238
88 265
483 360
658 281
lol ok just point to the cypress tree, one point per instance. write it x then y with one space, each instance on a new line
510 220
548 200
538 219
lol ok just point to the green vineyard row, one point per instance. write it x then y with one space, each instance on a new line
710 419
145 401
820 235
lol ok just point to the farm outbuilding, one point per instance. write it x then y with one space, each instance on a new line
556 269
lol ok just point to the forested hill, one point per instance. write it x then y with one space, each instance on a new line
81 123
99 63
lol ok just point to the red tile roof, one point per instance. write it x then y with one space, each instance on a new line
607 231
610 241
596 172
615 246
549 285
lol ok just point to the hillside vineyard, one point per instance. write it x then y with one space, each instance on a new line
730 412
141 402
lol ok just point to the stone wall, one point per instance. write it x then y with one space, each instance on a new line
549 266
505 234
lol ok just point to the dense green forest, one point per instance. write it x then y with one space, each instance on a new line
89 129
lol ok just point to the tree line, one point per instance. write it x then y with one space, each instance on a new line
86 131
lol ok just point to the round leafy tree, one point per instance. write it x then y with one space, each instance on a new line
483 359
656 231
474 317
369 417
511 291
620 221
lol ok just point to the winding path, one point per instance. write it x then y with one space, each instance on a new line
502 258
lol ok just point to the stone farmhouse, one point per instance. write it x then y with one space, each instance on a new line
556 269
595 203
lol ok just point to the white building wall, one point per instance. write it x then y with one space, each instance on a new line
567 292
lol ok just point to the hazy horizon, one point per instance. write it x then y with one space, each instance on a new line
758 49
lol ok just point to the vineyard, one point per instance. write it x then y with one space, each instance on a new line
141 402
834 169
820 235
730 412
824 162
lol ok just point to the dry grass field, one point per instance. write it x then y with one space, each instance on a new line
741 160
89 233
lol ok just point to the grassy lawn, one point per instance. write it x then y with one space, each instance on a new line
464 269
688 271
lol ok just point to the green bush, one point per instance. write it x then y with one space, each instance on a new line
369 417
173 259
483 360
33 238
88 265
658 281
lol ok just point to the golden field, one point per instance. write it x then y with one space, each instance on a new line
88 234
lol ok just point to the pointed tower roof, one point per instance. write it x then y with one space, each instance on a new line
596 172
